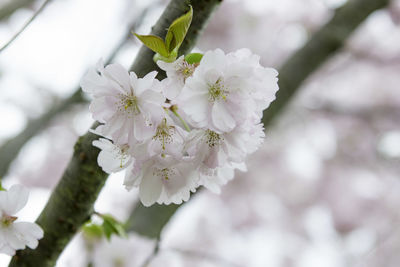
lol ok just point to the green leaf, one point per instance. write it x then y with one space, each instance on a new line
170 58
1 186
155 43
92 230
112 226
178 30
193 58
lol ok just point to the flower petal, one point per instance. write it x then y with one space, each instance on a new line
150 188
16 198
222 120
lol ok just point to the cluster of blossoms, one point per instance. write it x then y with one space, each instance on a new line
193 128
16 235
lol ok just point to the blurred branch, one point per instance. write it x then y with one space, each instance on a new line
373 58
13 5
71 203
152 255
41 8
376 112
9 150
322 45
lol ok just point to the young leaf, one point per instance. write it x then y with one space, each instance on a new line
112 226
193 58
155 43
170 58
177 31
1 186
92 230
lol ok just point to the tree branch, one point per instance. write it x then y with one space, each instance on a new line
71 203
9 150
13 5
41 8
319 49
322 45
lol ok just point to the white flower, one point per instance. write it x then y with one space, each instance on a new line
164 179
130 107
16 235
168 140
213 179
226 90
210 149
177 73
112 157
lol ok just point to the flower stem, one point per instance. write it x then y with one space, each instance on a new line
174 110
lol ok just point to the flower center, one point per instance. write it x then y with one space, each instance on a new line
129 104
7 220
164 133
217 91
122 152
186 69
164 173
212 138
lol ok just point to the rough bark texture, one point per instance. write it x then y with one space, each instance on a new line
69 206
71 203
317 50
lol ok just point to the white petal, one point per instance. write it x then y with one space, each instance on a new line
13 238
146 83
152 97
221 118
213 59
150 188
16 198
6 249
93 83
29 233
133 176
197 108
109 162
140 130
119 74
212 159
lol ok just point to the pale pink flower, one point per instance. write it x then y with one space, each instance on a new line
16 235
130 107
177 73
226 90
164 179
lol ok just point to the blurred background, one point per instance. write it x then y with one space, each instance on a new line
323 191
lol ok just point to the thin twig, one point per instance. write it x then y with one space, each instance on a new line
26 25
153 254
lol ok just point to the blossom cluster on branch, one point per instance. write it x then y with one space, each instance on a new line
193 128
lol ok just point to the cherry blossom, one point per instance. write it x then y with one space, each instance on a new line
16 235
